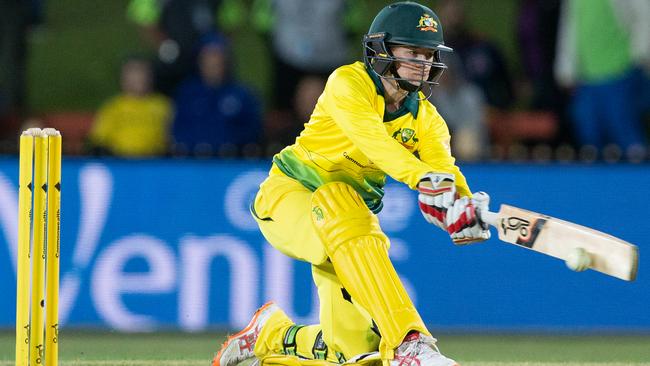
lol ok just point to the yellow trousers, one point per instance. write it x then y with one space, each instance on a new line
282 210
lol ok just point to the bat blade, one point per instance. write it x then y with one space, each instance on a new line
557 238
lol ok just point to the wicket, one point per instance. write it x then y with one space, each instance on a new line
37 292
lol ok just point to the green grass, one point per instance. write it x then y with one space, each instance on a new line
95 348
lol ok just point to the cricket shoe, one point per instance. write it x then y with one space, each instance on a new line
239 347
420 350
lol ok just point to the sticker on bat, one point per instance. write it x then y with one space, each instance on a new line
525 235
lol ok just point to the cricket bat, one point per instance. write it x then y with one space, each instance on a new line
557 238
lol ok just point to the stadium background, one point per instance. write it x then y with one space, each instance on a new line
167 245
156 245
86 41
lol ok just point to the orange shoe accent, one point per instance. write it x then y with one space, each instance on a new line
248 343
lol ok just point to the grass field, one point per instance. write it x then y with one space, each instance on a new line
170 349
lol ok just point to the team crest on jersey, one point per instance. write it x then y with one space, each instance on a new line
405 135
427 24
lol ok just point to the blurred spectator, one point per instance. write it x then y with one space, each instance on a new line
134 123
462 105
14 23
285 131
214 113
602 45
537 24
306 38
483 62
172 28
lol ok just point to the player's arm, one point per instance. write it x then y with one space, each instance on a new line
349 100
435 151
452 208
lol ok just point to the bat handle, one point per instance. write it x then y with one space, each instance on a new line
489 217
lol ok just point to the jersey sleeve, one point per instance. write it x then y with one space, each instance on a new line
435 151
349 101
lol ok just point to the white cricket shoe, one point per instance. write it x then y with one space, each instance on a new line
420 350
239 347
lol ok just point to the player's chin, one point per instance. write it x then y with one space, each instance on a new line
417 81
417 78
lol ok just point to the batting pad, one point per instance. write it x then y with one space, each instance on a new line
358 250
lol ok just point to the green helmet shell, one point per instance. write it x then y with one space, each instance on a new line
411 24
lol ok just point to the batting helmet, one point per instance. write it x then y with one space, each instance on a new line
407 24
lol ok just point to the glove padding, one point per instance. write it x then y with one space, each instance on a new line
462 220
437 194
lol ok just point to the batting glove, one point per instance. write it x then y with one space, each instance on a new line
437 192
463 224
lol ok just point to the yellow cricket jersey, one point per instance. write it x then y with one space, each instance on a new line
350 138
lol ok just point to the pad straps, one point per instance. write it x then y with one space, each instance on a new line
320 348
289 342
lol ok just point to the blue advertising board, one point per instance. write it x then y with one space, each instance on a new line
169 244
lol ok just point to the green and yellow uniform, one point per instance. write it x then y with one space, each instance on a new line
352 139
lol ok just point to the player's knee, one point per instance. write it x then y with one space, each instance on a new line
340 215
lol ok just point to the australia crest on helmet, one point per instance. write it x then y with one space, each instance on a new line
427 24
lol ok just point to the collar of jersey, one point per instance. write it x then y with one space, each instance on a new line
411 103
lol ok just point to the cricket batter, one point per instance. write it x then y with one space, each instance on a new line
320 201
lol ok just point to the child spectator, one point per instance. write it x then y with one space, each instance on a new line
134 123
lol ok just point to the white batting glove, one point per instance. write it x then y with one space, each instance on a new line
463 223
437 194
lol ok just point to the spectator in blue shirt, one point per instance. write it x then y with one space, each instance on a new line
215 115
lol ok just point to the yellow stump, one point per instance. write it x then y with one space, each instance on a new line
38 251
22 264
37 269
53 248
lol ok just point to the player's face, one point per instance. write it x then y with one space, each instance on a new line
419 68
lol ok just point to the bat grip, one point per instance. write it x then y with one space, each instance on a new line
489 217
